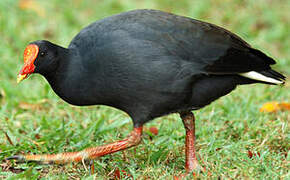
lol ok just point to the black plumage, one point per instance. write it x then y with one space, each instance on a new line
150 63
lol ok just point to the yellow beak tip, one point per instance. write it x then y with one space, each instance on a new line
20 77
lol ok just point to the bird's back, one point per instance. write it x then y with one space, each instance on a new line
175 33
199 43
152 63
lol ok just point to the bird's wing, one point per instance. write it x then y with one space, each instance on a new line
209 48
237 61
213 49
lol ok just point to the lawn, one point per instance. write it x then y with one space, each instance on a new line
234 139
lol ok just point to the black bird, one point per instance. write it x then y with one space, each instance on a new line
147 63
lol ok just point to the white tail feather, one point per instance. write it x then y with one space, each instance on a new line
260 77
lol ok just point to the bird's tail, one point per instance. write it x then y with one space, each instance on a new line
267 76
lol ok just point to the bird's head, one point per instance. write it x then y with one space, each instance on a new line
39 57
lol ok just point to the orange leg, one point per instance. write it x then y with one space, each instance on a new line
87 154
191 162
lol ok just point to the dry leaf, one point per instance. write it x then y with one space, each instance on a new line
117 174
33 6
29 106
270 107
183 176
2 94
37 136
9 139
217 149
284 106
251 154
153 130
38 144
274 107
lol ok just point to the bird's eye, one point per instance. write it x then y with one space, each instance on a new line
42 54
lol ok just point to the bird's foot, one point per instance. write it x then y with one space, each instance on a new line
18 158
61 158
81 156
192 173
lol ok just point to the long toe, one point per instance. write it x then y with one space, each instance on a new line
198 168
18 158
23 159
87 154
195 173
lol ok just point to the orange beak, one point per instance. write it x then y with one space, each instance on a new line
29 56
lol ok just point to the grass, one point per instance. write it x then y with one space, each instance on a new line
37 121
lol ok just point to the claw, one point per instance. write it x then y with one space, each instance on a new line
23 159
18 158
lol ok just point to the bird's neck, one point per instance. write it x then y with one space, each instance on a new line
65 75
72 82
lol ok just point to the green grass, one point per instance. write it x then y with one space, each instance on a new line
226 129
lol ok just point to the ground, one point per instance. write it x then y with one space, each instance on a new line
234 139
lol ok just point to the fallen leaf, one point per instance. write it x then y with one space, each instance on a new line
6 166
22 131
153 130
117 174
2 94
32 5
29 106
37 136
285 154
217 149
38 144
272 107
183 176
8 138
285 106
251 154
